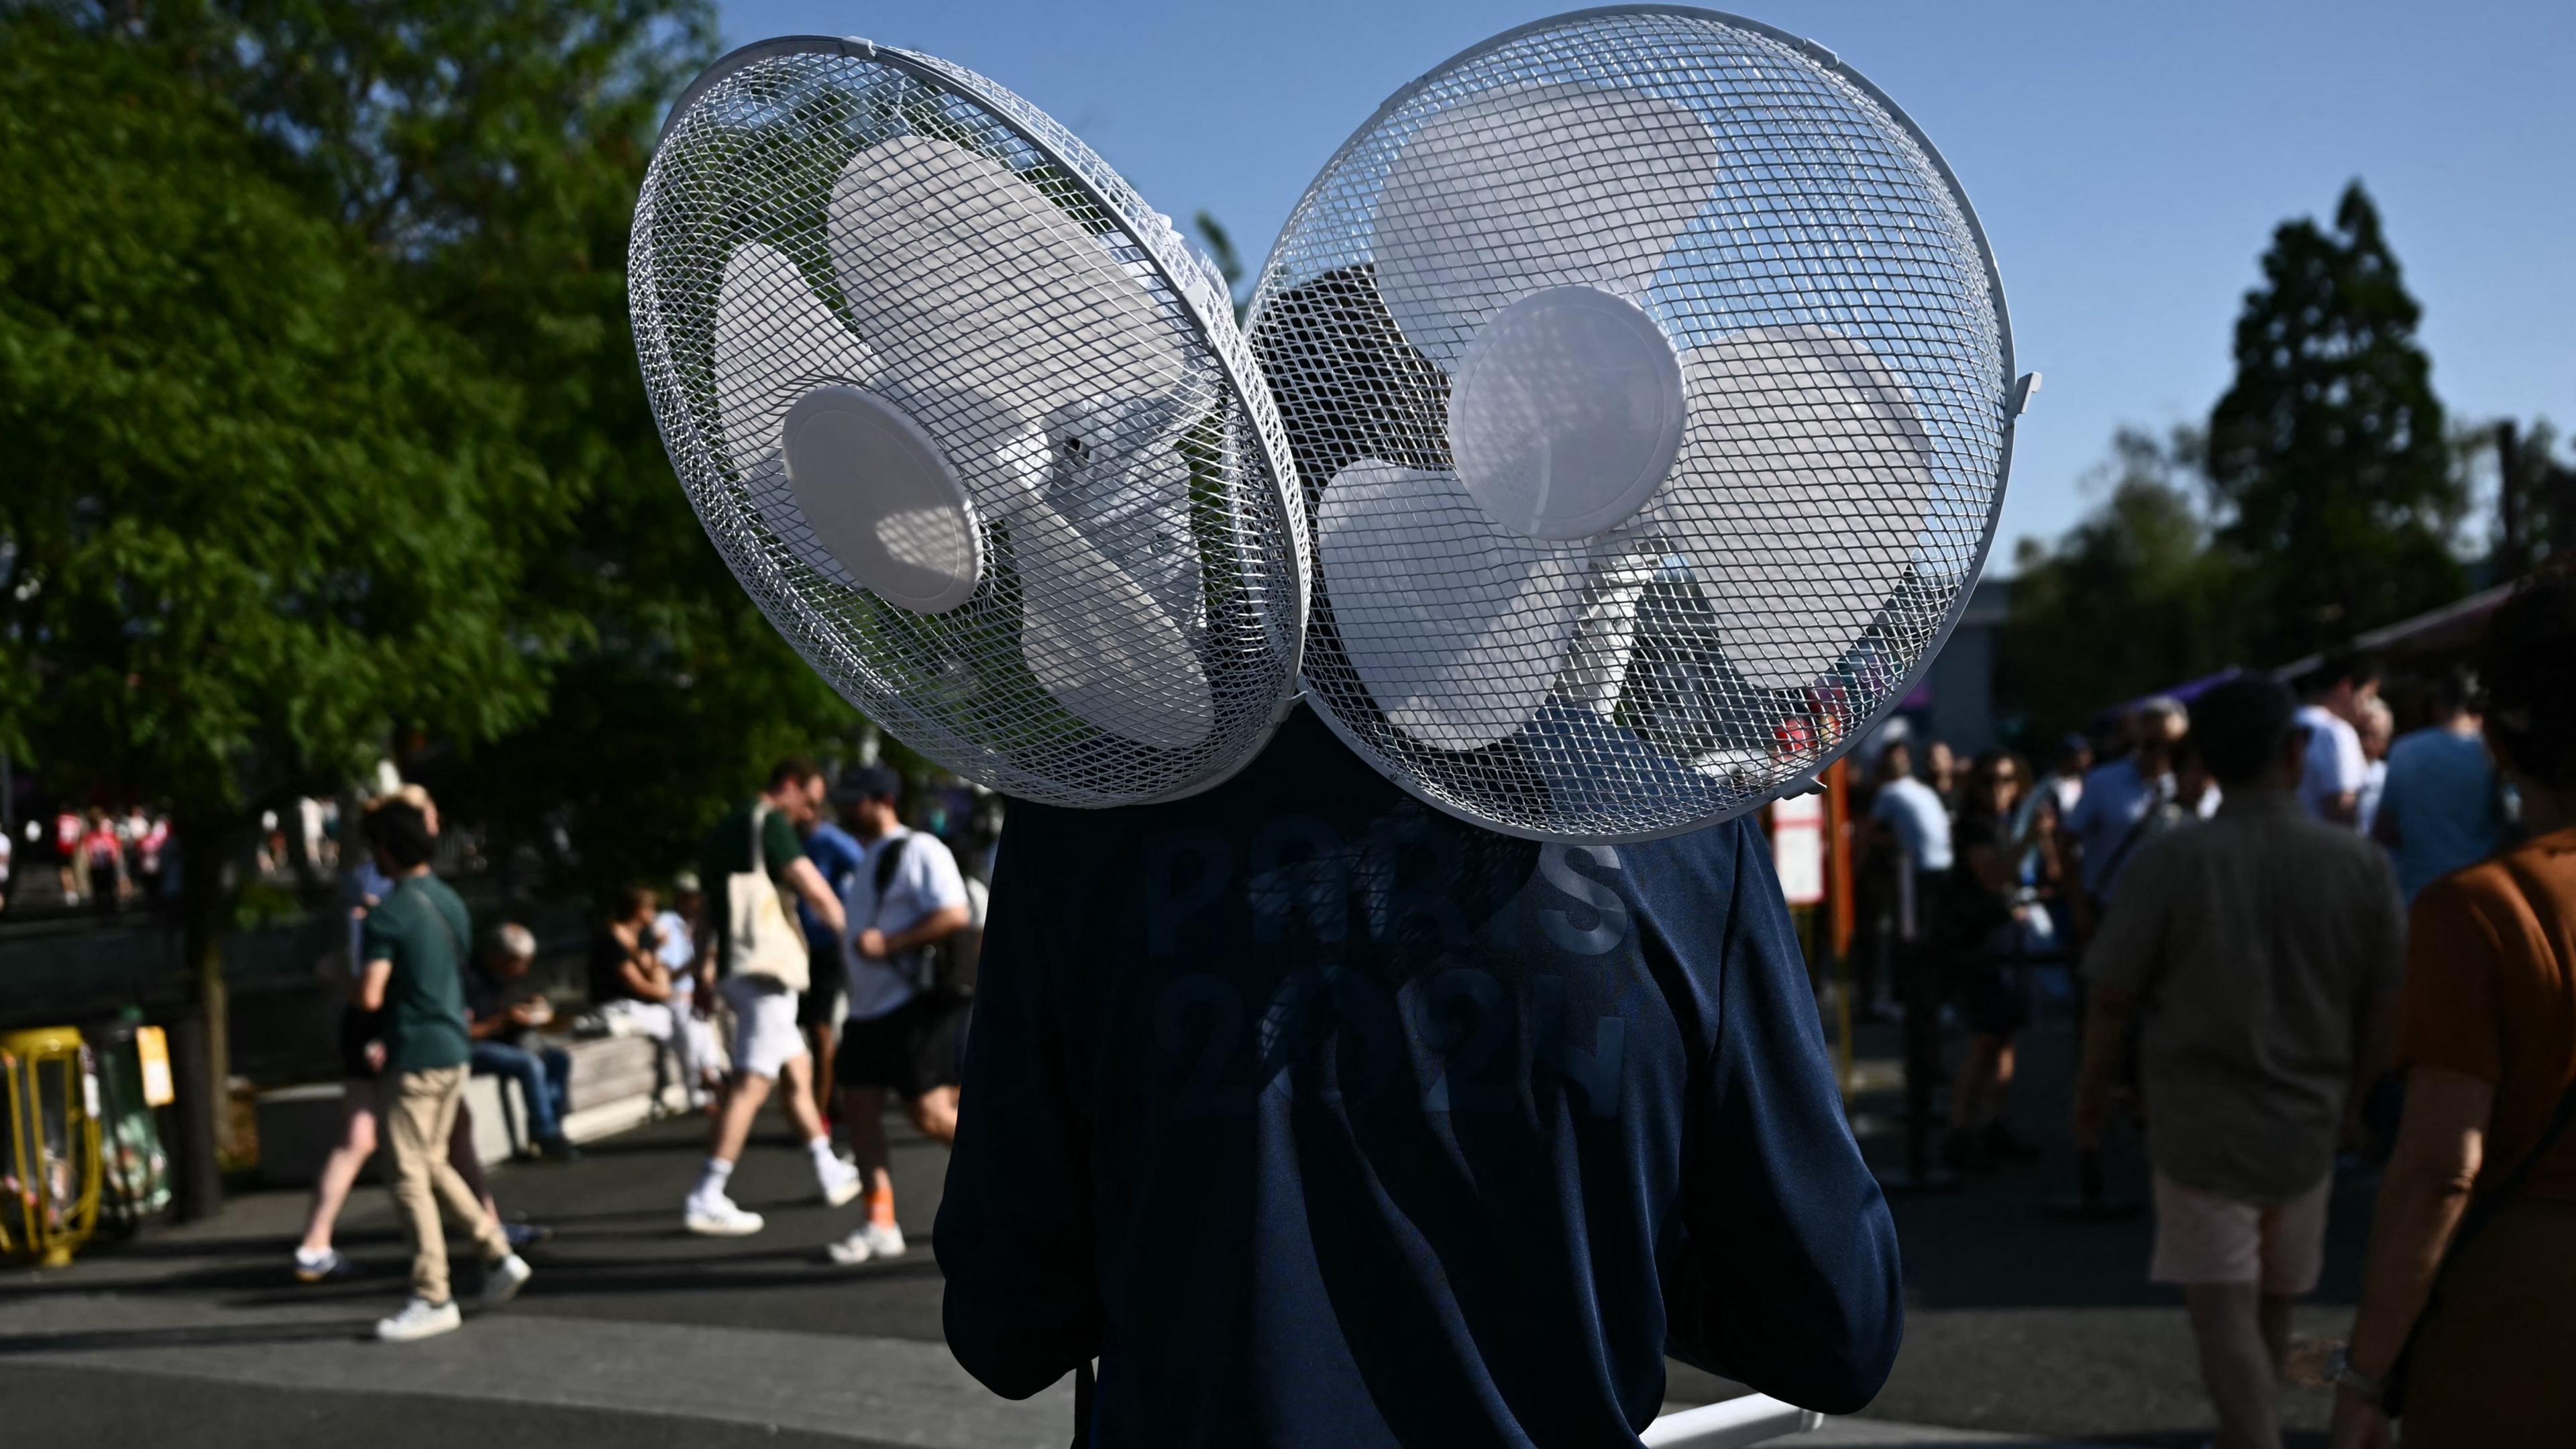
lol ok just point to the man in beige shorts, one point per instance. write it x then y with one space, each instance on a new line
2259 952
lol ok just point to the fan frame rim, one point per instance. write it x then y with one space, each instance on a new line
1251 389
1804 782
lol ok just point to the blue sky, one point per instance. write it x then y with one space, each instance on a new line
2129 162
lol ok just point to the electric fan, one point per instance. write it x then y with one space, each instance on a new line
972 425
1651 390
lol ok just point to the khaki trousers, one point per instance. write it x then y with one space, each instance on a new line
419 1114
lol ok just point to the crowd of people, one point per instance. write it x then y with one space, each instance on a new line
868 998
2224 882
107 859
2229 893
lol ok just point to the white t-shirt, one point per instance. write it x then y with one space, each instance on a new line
678 950
1915 811
2335 765
926 880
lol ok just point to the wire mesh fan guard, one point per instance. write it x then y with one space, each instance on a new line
1082 580
1847 362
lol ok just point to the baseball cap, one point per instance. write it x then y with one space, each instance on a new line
868 782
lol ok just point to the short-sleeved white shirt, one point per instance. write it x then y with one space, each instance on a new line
679 949
2334 765
926 880
1919 819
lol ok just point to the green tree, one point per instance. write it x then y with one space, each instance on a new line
1229 262
494 149
2327 457
260 513
2131 600
2536 490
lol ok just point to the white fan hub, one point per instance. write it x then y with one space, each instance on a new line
1567 413
882 499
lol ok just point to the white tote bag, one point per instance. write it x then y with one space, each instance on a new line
760 940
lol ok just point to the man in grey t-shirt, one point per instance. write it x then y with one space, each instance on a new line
2260 951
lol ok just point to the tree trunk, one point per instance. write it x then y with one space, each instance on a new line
205 897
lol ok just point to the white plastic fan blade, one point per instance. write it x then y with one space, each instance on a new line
1457 627
983 287
1799 498
775 341
1500 196
1091 634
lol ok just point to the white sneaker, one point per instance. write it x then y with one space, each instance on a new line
503 1280
419 1319
876 1240
717 1217
840 1182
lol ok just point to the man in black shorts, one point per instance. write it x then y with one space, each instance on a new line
904 1036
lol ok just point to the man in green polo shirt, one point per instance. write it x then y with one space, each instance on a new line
413 948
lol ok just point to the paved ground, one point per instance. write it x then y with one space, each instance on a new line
635 1334
2018 1321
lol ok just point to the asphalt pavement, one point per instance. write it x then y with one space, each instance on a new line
637 1334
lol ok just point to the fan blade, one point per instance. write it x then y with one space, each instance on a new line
1099 642
1500 196
1457 627
1800 495
972 284
775 341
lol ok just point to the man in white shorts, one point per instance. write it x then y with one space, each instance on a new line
746 935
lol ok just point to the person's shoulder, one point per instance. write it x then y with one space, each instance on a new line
2496 886
2417 742
925 851
395 908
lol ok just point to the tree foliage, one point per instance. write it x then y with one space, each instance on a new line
2542 489
2327 457
2132 600
257 509
261 513
493 149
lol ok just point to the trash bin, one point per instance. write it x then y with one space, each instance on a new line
49 1183
133 1065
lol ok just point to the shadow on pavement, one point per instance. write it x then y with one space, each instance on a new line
334 1330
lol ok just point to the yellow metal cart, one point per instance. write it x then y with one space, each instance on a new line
50 1179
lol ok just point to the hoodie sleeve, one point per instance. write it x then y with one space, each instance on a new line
1787 1278
1014 1234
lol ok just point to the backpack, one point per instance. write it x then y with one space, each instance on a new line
945 967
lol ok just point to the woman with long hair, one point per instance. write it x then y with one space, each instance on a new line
1989 912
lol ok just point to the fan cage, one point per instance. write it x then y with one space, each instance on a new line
1830 211
750 155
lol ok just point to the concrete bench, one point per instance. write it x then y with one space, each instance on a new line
613 1081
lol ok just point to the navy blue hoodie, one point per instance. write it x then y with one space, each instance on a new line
1322 1119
